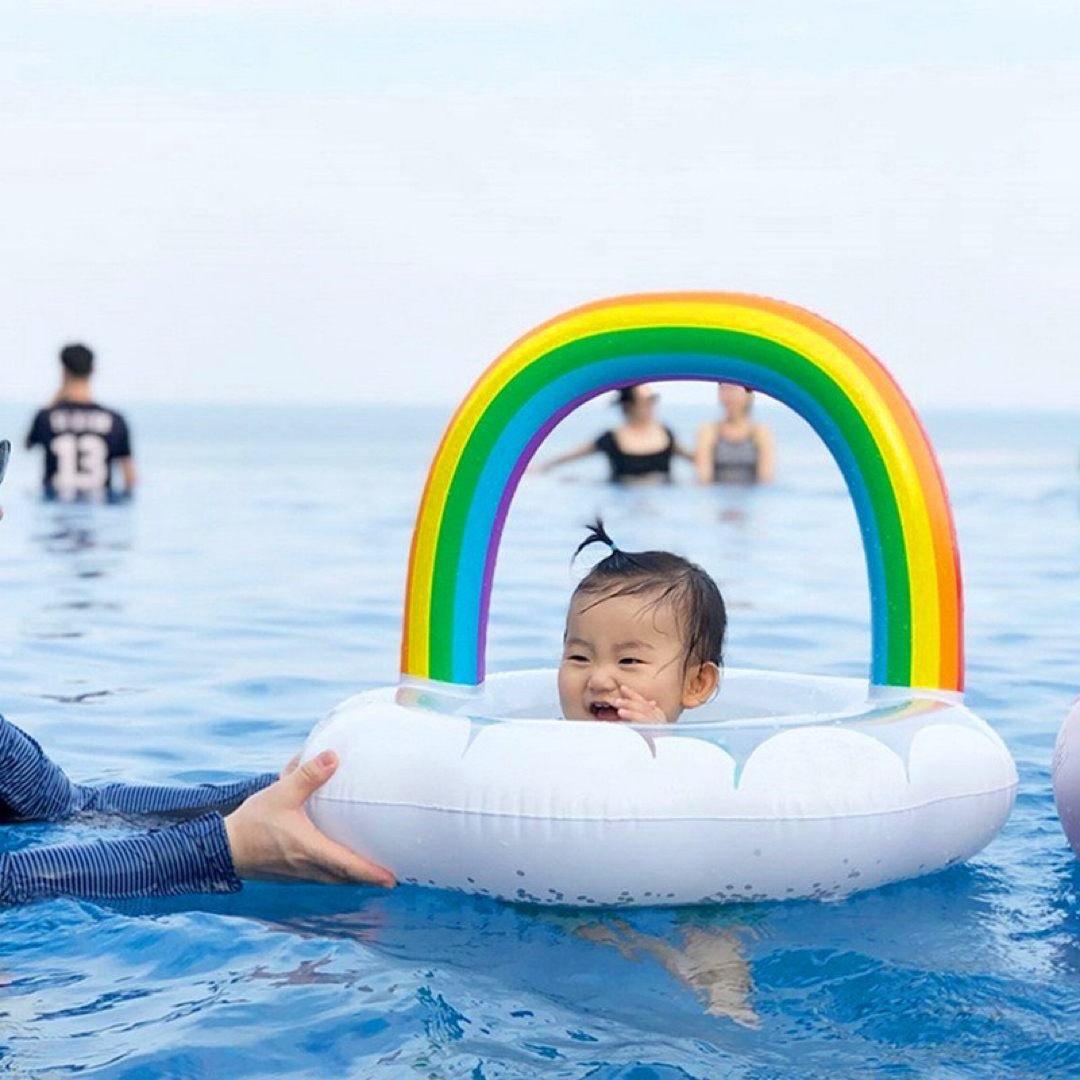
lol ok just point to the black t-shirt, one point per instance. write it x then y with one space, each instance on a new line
626 466
81 442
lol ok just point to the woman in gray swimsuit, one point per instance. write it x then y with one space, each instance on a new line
734 449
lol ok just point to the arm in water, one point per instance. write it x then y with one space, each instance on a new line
269 836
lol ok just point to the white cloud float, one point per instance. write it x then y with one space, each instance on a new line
474 792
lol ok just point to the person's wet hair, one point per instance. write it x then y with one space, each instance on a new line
78 360
661 578
628 396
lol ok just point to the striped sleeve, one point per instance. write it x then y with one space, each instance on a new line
192 857
33 788
169 801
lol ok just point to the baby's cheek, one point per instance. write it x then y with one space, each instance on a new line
567 694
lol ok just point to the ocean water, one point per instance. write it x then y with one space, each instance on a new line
201 631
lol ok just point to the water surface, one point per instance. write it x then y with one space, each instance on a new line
199 633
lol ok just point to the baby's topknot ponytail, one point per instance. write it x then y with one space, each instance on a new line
597 535
660 577
617 561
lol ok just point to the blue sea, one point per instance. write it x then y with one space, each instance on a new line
200 631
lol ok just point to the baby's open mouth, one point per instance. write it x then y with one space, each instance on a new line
603 710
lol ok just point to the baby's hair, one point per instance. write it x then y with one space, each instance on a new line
664 578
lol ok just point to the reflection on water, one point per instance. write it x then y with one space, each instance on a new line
84 604
68 538
78 528
85 547
80 699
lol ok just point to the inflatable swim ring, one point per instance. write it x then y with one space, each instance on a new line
1067 777
786 786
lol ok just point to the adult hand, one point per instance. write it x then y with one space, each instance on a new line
272 838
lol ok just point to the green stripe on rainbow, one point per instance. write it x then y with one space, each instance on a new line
782 350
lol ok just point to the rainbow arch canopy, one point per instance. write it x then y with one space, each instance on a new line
826 376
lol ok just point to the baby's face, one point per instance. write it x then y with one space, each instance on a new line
627 649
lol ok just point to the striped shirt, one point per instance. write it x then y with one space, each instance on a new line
190 856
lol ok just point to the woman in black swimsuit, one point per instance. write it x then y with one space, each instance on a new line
641 448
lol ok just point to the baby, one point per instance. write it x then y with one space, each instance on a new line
644 637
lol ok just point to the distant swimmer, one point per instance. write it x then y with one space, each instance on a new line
5 455
81 439
734 449
641 448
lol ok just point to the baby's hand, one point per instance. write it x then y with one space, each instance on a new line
634 707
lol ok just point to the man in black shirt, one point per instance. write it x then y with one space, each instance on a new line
81 438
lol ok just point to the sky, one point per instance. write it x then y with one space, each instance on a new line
310 201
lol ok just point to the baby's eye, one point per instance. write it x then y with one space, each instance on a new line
627 661
577 658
